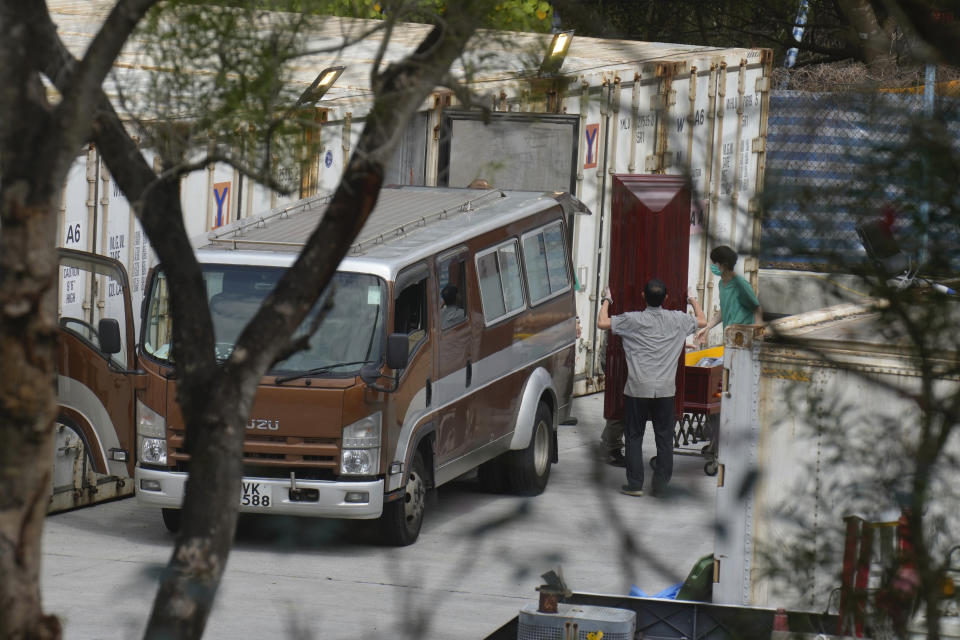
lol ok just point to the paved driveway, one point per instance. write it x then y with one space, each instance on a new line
477 562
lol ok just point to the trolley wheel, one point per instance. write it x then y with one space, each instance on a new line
711 468
653 463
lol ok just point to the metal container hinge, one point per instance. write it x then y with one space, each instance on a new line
663 101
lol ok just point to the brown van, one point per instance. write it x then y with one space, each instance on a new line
446 344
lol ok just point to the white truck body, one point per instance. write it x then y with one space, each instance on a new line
805 436
616 107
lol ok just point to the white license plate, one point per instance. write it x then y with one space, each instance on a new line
255 494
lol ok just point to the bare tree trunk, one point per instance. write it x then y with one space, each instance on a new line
868 35
189 583
37 144
27 338
27 408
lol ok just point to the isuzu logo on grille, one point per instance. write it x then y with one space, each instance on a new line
263 425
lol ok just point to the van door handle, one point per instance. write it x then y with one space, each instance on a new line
429 392
469 372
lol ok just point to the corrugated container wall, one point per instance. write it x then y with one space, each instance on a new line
616 106
810 437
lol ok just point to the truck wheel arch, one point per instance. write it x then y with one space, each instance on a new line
425 444
78 423
538 387
424 434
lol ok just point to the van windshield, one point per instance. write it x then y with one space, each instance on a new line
348 317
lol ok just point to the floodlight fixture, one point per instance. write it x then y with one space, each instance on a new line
320 85
557 51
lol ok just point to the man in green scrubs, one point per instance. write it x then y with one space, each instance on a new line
738 302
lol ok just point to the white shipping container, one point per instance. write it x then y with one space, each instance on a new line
616 106
804 438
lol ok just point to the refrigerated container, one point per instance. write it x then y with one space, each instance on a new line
820 421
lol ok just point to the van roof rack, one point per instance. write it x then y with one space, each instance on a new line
398 212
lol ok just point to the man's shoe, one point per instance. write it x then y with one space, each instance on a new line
628 490
616 459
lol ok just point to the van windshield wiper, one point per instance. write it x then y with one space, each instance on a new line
318 370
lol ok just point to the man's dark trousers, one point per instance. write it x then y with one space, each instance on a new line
636 413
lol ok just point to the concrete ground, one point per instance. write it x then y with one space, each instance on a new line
477 562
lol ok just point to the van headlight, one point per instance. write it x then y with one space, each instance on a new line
360 453
152 450
151 436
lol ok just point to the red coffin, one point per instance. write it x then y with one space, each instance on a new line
649 238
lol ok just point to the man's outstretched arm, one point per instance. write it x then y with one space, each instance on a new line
603 320
697 310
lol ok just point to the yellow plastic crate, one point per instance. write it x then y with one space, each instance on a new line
693 357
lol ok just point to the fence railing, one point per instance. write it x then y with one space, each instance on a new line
835 160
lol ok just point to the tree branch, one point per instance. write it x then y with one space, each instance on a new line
80 83
400 90
869 35
939 37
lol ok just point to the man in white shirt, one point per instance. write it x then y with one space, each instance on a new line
652 340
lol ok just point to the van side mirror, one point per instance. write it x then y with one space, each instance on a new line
398 350
397 356
109 331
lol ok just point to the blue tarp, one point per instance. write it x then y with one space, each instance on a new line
670 593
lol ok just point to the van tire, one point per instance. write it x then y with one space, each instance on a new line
528 470
402 518
171 519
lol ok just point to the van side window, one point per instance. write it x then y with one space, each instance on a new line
452 289
410 312
544 255
501 288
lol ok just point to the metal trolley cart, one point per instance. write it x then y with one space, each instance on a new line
697 432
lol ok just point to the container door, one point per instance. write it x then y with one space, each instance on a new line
94 455
649 238
408 166
526 151
455 416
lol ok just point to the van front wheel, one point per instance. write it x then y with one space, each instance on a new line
171 519
529 469
402 518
